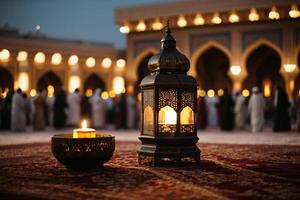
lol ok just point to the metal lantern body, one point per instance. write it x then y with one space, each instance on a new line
169 96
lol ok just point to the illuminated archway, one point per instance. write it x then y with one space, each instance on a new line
263 66
93 82
49 78
7 79
212 67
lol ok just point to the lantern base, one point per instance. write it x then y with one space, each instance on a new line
168 152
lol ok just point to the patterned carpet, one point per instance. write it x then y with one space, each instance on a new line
226 172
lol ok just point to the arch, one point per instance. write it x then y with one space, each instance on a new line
202 49
49 78
7 79
263 65
93 81
212 65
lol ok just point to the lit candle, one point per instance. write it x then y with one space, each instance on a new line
84 132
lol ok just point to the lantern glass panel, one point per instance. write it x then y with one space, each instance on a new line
148 114
167 118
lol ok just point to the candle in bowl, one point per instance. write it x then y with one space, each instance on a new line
84 132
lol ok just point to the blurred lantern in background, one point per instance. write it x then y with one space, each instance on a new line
169 100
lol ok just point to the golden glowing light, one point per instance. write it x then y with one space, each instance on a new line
167 115
157 25
39 58
139 96
23 81
37 27
220 92
253 15
50 91
245 93
289 67
84 124
210 93
90 62
292 85
106 63
141 26
233 18
89 92
73 60
216 18
104 95
22 56
56 59
84 131
235 70
181 22
118 84
274 14
187 116
294 12
74 82
112 94
199 20
121 63
125 29
267 85
201 93
4 93
4 55
32 92
299 93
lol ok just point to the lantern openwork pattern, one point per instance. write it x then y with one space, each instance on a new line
169 95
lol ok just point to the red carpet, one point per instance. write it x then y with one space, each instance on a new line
226 172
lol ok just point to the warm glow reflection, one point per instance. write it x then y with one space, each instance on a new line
39 57
187 116
139 96
104 95
274 14
210 93
233 18
50 90
112 94
4 55
56 59
157 25
235 70
73 60
89 92
121 63
74 82
148 115
23 81
245 93
220 92
199 20
267 84
22 56
289 67
125 29
90 62
253 15
181 22
200 93
118 84
292 85
141 26
32 92
216 19
294 12
106 63
167 115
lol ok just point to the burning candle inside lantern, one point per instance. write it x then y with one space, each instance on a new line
84 132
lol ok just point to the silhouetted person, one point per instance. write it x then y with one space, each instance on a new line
212 112
240 110
18 112
98 110
120 112
202 114
38 114
281 112
60 104
5 114
27 109
226 106
256 109
74 101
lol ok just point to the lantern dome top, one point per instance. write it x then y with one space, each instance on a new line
169 59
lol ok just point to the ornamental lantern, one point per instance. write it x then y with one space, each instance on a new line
169 96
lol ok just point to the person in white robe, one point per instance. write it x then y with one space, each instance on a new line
211 105
18 112
240 110
98 110
131 106
74 101
256 109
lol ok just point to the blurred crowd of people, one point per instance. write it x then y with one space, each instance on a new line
226 112
62 110
229 112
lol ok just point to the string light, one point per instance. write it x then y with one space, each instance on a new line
56 59
273 14
90 62
141 26
22 56
125 29
181 22
157 25
233 17
294 12
216 19
210 93
4 55
253 15
245 93
199 20
106 63
73 60
39 57
121 63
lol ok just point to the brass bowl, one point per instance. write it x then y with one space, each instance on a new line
83 152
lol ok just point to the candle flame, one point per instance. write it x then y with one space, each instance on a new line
84 124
